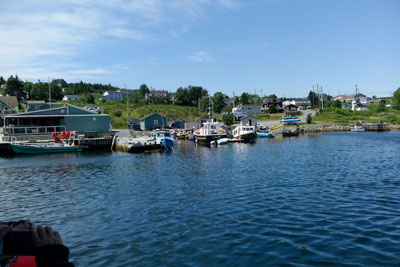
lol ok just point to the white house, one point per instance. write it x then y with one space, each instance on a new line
156 93
245 110
108 95
70 97
359 102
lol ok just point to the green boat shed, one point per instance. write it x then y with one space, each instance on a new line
153 121
40 124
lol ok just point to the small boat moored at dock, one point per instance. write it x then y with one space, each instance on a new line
265 134
358 128
246 134
41 148
166 138
67 143
211 131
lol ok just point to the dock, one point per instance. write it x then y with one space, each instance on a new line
137 145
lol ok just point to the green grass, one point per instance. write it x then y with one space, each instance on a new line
345 116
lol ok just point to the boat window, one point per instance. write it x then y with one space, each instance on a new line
31 130
19 130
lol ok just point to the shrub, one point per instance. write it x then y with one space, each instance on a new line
309 119
117 113
228 119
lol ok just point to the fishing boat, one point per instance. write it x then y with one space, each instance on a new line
289 120
41 148
358 128
211 131
69 142
265 134
166 138
244 133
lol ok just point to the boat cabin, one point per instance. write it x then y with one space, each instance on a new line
248 121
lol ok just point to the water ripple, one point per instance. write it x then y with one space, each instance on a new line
329 199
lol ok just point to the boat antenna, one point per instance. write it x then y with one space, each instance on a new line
210 111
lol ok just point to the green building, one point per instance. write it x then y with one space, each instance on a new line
40 124
153 121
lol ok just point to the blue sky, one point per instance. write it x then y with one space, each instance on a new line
277 46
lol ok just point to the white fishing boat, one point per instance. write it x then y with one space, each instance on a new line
358 128
211 131
246 134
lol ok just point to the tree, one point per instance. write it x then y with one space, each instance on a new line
15 87
272 96
204 104
39 91
228 119
337 103
2 81
396 99
244 99
236 101
219 102
56 92
182 97
194 94
272 109
89 98
143 90
312 96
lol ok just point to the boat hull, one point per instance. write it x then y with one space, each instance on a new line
265 135
168 143
207 139
246 138
30 149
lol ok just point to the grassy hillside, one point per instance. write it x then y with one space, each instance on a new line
344 116
117 111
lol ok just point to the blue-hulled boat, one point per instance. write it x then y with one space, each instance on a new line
265 134
166 138
289 120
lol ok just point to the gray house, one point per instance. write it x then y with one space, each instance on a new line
152 121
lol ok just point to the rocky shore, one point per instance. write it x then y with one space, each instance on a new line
315 128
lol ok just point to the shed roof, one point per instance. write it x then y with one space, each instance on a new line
11 101
35 102
151 114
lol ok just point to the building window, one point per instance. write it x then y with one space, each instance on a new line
94 118
155 122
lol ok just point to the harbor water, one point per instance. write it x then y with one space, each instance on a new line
327 199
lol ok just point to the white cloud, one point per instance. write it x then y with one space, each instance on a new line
38 35
201 56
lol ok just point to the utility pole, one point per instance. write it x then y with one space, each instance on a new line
313 97
127 105
322 97
49 91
